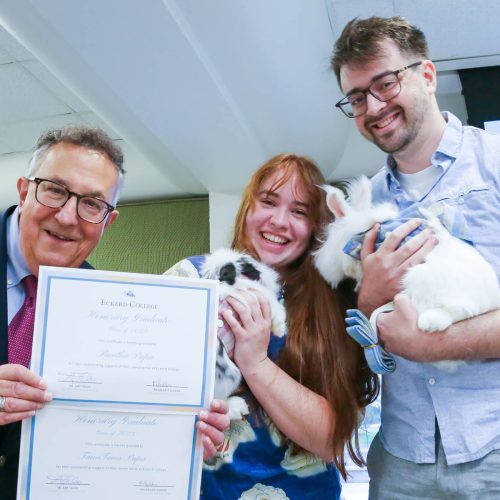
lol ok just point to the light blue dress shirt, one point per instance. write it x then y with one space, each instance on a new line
465 403
16 266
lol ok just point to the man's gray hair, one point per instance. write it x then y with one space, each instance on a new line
88 137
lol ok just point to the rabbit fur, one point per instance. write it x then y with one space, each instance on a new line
238 271
453 283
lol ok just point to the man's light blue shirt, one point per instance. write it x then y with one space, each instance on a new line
16 266
465 403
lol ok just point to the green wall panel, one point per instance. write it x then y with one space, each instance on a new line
150 237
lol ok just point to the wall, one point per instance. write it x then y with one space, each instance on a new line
223 208
150 237
11 168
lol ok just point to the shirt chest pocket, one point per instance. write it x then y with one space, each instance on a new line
466 197
466 211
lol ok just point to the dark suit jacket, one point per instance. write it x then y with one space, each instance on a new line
10 435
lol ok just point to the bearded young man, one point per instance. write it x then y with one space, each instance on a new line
440 431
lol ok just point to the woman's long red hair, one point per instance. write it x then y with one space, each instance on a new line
318 353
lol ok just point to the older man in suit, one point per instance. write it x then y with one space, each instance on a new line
65 203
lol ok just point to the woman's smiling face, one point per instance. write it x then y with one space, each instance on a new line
278 226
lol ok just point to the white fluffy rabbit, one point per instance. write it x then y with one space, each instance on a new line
454 283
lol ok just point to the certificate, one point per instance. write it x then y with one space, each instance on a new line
130 360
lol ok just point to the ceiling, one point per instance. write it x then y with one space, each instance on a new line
199 93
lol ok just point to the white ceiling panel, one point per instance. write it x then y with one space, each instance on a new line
203 92
93 120
55 87
18 86
342 11
460 33
176 92
4 149
280 82
21 136
4 57
12 47
163 82
110 70
480 17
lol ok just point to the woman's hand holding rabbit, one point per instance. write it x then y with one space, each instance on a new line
253 329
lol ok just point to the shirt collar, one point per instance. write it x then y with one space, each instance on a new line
451 141
17 268
443 157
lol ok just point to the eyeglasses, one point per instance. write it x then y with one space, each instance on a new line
55 195
384 88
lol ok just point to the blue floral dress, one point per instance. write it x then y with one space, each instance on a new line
253 463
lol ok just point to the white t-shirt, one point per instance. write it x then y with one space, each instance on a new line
418 184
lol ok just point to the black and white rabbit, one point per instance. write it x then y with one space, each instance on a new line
238 271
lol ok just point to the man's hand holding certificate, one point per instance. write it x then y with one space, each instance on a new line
130 361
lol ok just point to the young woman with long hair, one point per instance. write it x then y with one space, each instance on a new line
307 391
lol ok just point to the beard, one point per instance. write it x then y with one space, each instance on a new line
394 146
398 140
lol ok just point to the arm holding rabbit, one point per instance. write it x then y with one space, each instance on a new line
475 338
291 406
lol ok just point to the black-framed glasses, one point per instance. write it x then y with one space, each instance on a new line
384 88
55 195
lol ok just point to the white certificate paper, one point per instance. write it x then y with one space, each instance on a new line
130 360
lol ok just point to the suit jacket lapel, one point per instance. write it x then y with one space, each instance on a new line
3 287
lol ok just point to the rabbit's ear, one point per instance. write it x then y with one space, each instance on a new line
336 201
361 194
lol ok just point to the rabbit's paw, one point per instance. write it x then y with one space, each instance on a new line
434 320
237 408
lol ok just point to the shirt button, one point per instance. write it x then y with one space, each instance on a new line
3 460
432 381
9 282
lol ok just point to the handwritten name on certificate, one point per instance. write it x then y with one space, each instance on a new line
130 360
